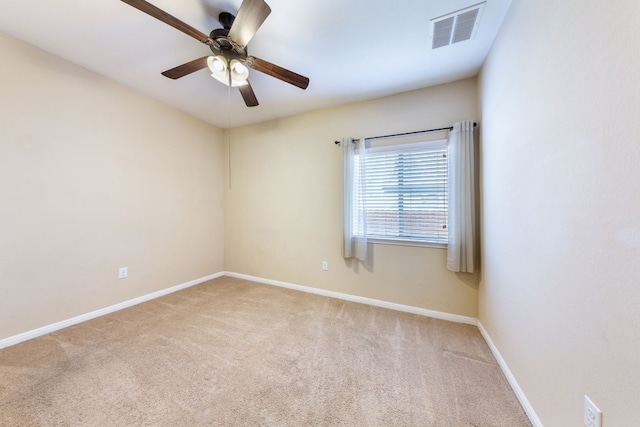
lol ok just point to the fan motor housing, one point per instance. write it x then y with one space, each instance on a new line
221 37
219 33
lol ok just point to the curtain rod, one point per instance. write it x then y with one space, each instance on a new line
406 133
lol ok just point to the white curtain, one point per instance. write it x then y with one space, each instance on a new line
462 215
354 214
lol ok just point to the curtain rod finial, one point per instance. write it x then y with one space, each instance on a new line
337 142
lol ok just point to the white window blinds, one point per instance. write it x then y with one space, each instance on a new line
405 193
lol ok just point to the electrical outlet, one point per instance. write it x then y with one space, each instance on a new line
325 265
592 415
122 273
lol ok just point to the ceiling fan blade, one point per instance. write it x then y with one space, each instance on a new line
247 94
250 17
278 72
185 69
163 16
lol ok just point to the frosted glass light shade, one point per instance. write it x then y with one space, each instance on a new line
239 72
220 69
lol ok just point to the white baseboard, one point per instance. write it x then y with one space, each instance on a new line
16 339
363 300
526 405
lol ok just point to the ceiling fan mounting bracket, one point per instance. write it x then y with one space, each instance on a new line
226 19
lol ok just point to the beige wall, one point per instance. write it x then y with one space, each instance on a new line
94 176
560 293
283 210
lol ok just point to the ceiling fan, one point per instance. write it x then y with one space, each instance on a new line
230 61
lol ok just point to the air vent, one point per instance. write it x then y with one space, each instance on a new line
455 27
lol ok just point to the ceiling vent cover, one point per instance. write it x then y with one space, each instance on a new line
455 27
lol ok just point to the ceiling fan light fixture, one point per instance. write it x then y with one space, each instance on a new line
217 65
239 72
221 69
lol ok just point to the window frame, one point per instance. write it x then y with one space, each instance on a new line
435 145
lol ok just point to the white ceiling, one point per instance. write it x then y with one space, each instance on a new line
351 50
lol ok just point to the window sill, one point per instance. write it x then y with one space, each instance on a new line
407 243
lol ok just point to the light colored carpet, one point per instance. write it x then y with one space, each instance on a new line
235 353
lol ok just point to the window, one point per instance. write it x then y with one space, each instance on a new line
403 189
